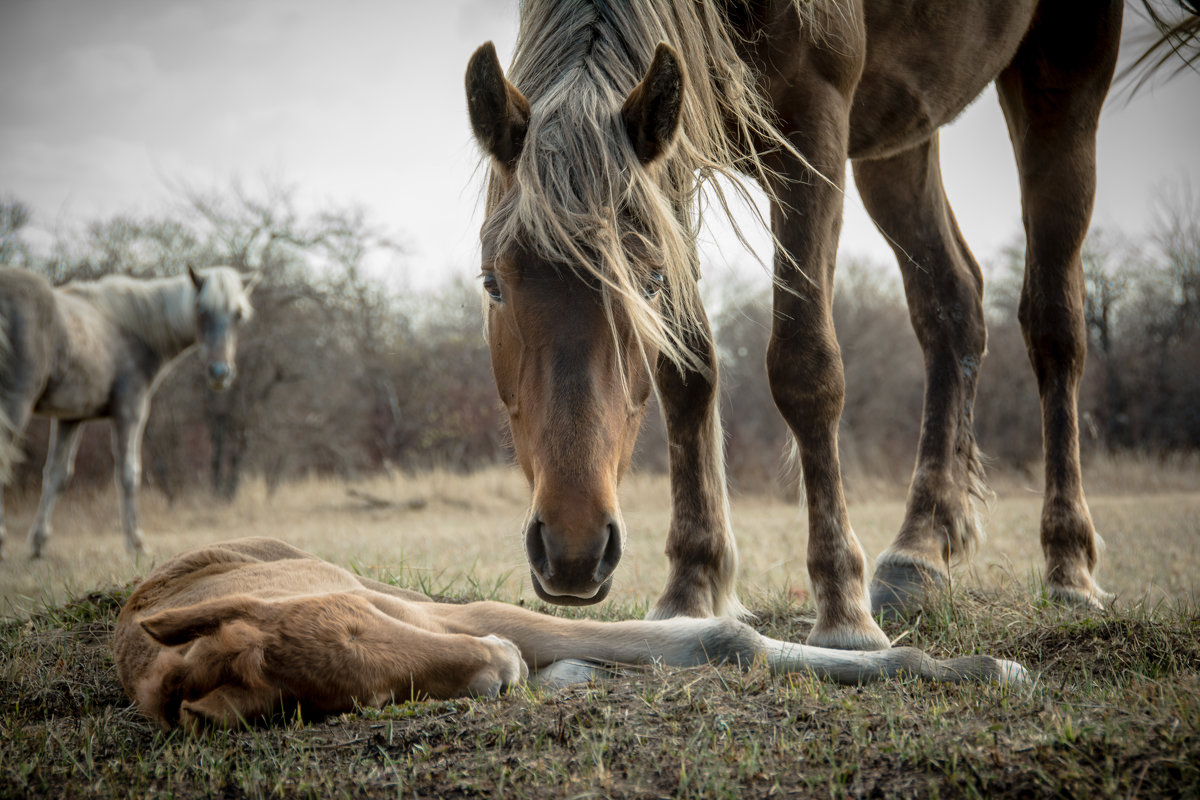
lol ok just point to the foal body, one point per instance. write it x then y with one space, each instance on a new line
94 350
243 629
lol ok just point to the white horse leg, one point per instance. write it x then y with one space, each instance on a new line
60 466
127 455
854 667
581 649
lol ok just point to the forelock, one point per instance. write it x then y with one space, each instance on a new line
222 292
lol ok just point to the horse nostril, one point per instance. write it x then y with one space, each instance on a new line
612 553
535 547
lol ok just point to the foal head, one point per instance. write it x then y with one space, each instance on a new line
222 305
577 287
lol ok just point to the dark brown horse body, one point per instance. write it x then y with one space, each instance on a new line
592 299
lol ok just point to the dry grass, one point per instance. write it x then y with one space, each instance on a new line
1114 712
439 529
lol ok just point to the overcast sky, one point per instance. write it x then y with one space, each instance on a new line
105 103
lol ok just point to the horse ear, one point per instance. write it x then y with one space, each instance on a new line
499 112
250 280
197 281
651 112
181 625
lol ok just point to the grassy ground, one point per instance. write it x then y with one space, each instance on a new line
440 529
1115 711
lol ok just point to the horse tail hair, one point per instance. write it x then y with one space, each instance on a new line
10 451
1176 47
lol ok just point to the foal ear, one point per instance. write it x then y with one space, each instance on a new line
181 625
651 112
197 281
499 112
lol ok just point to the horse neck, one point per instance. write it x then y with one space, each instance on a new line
173 329
160 312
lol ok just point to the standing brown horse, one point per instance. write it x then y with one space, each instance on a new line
612 116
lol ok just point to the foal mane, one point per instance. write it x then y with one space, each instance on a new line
162 311
579 194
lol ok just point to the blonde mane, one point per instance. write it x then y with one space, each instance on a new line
162 311
580 196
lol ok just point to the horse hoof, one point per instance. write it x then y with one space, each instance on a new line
897 589
1095 600
867 636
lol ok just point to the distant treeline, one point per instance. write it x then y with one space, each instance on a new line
343 371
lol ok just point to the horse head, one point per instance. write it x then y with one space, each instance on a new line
222 305
573 324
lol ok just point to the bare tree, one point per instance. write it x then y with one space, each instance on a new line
1107 282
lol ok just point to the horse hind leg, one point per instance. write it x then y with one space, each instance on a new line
1052 95
944 287
60 466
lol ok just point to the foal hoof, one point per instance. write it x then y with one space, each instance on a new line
569 672
897 589
504 669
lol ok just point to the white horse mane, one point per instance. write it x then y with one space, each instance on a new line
162 311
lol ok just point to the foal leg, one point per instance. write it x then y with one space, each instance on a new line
127 456
700 546
944 286
60 466
1052 94
804 361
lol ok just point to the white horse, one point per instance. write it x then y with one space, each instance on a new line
241 630
97 349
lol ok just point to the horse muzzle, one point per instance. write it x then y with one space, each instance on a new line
569 599
575 571
220 375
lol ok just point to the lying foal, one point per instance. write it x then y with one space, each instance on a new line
244 629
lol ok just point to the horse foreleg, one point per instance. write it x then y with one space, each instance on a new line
700 545
60 466
127 456
804 362
944 286
1052 96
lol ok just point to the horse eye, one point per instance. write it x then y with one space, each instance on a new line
654 284
492 287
